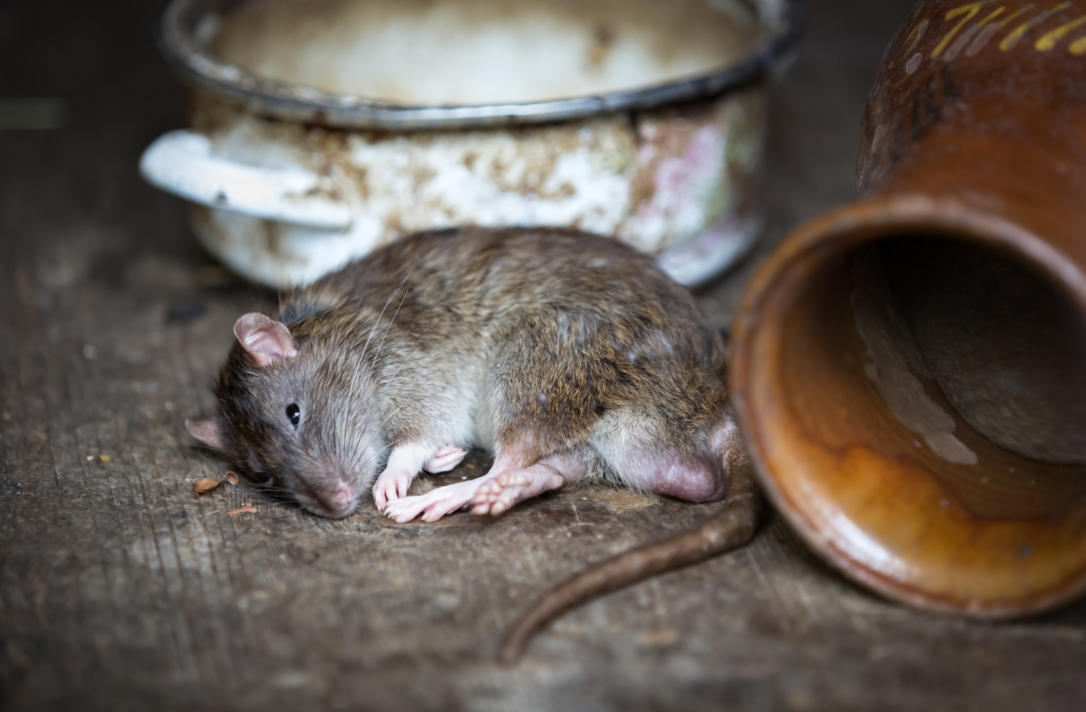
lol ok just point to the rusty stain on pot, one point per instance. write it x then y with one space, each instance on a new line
667 167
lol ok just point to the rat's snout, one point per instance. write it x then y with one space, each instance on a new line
337 499
342 498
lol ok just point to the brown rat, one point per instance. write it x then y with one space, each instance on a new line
568 356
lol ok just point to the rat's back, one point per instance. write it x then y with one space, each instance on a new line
485 275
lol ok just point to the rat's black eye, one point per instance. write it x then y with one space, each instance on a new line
294 414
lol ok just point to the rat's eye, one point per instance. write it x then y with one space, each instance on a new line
294 414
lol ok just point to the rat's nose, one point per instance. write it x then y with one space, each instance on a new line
340 499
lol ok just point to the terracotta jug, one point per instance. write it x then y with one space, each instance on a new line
910 369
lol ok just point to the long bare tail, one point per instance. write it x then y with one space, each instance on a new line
731 527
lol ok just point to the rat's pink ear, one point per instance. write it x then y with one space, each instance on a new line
206 431
265 339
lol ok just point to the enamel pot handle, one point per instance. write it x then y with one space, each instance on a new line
184 164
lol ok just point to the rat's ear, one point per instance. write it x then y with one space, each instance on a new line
265 339
206 431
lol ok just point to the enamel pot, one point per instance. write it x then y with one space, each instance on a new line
321 130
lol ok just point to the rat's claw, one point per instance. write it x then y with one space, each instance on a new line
390 486
380 495
405 509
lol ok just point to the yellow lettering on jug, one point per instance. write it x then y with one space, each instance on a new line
915 35
986 34
1078 46
1013 15
1016 34
993 15
1048 41
970 11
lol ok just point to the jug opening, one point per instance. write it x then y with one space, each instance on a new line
915 400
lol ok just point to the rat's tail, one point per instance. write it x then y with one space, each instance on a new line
729 528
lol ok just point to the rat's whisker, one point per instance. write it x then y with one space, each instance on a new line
387 302
392 321
388 416
360 362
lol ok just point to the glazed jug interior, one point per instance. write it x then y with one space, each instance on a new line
920 396
1006 347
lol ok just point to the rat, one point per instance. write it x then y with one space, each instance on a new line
569 356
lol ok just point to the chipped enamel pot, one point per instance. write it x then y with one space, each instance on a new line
321 130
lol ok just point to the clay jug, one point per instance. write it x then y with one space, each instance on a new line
910 369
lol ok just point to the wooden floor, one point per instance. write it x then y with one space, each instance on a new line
120 591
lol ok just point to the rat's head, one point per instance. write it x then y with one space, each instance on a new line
296 416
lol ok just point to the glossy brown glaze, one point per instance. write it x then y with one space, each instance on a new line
910 369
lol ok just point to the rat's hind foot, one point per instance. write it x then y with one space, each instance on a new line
512 486
444 459
436 503
517 483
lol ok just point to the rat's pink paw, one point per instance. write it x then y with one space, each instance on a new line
512 486
499 494
433 505
405 509
390 486
444 459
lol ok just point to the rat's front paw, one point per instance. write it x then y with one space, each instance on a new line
444 459
390 486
